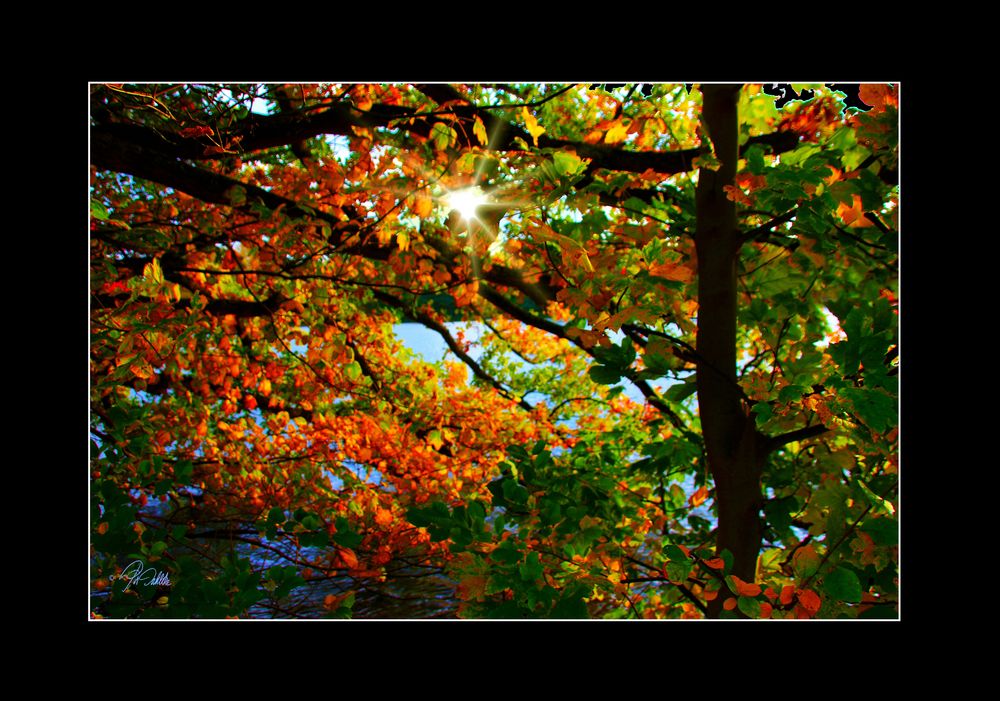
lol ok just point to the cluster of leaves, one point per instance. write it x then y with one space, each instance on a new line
261 434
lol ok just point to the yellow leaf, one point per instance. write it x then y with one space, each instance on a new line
532 124
402 239
479 129
616 134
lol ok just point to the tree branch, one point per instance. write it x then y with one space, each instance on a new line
212 188
452 344
799 434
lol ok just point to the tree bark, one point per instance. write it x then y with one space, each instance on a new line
734 447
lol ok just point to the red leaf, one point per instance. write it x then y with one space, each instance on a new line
809 599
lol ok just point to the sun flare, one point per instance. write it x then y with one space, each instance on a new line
466 201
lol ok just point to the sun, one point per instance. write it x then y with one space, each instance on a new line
466 201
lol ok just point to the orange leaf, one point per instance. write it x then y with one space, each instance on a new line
699 497
670 270
729 604
878 95
735 194
423 205
765 610
853 216
809 599
787 592
770 594
716 563
383 517
348 557
744 588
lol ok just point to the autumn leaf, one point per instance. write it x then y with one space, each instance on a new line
878 95
853 216
348 557
423 205
532 125
193 132
805 561
743 588
699 497
672 270
809 600
251 366
616 134
479 129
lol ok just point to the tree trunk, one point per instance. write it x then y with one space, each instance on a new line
734 447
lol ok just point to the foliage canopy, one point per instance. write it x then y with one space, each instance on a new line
671 384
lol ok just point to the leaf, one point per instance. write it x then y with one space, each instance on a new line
423 205
883 531
479 130
442 135
842 584
699 497
680 391
616 134
353 371
738 586
805 562
874 406
532 125
568 163
809 600
604 375
749 606
99 211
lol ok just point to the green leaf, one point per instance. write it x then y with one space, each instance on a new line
183 471
604 375
442 135
880 504
570 607
99 211
805 562
755 159
875 407
532 568
883 531
353 371
567 163
680 391
763 411
749 606
843 584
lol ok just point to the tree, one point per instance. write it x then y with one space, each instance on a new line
681 400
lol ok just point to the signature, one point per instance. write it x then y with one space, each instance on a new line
138 573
